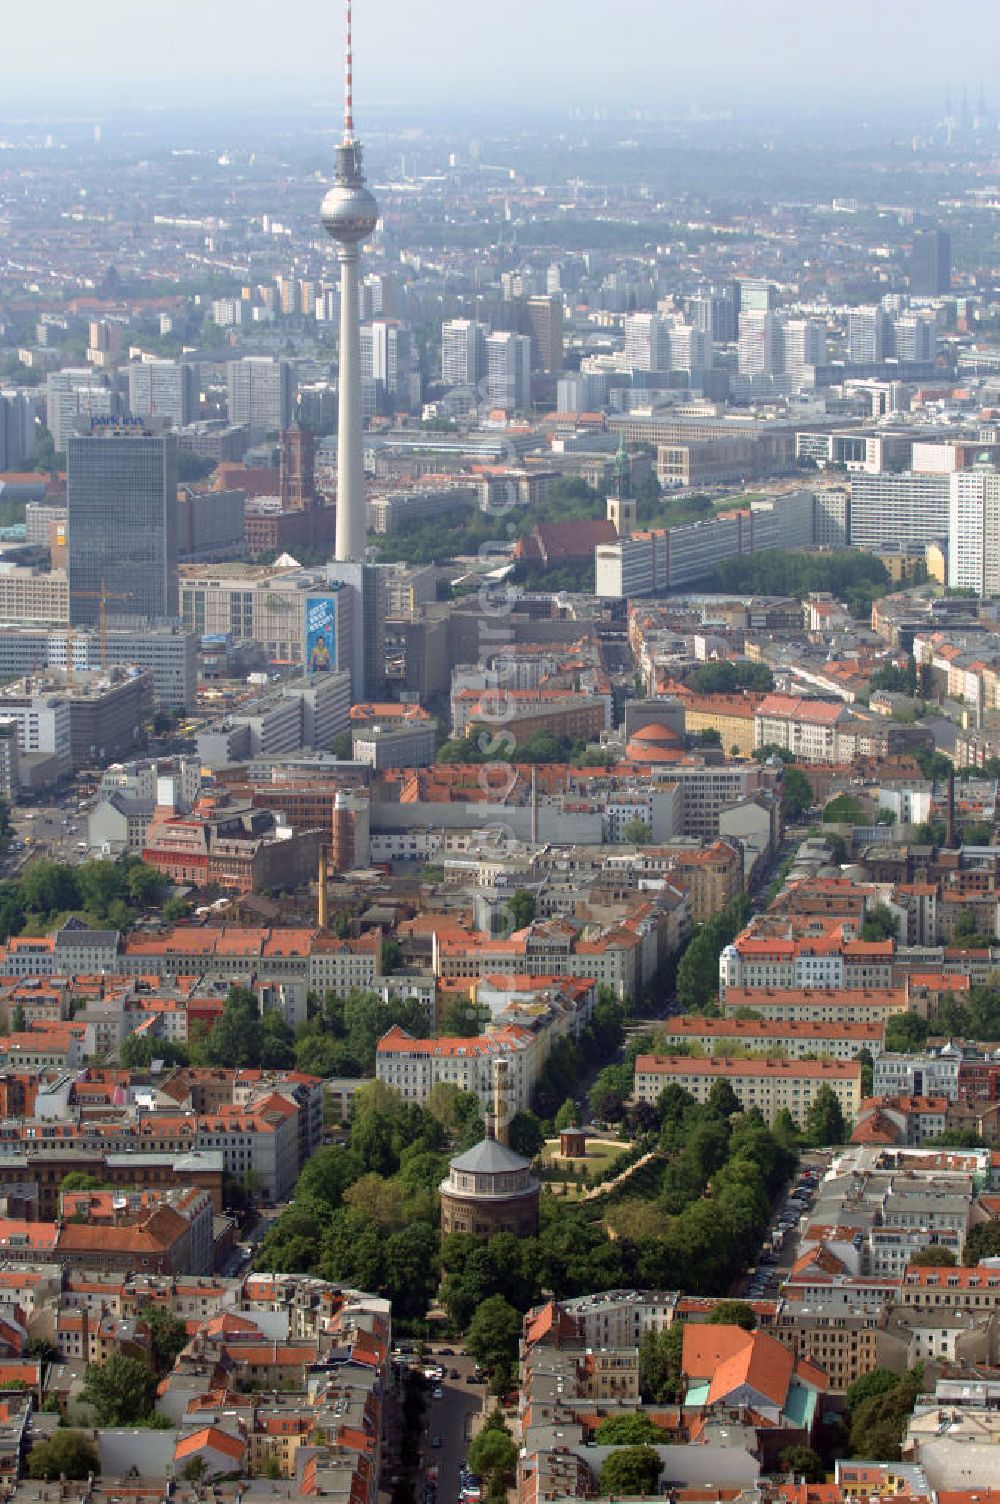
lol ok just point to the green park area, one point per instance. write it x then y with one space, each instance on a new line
572 1177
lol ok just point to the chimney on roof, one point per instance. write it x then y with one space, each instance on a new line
534 804
501 1100
321 893
949 838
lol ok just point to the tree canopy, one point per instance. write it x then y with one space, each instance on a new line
856 578
633 1429
122 1390
66 1454
109 893
631 1470
825 1118
698 969
879 1412
730 676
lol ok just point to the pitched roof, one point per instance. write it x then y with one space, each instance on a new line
489 1157
730 1358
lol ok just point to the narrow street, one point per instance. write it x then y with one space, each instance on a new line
454 1419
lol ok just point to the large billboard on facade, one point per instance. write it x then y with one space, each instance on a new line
321 634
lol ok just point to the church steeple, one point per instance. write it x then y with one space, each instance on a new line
623 471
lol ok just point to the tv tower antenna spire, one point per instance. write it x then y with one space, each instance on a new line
348 75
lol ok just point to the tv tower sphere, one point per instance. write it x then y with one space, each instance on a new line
349 212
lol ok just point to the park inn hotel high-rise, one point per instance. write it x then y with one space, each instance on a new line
122 522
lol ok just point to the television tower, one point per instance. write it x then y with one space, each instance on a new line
349 215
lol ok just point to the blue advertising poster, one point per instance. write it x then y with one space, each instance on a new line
321 634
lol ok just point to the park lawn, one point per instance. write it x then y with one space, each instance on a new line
601 1154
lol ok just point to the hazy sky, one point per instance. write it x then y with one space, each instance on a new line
64 53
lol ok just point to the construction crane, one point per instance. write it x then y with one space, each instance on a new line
102 597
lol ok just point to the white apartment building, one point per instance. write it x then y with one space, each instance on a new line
647 342
334 967
413 1067
508 370
770 1086
42 721
887 508
916 337
760 347
463 352
868 336
28 595
778 965
809 728
798 1039
660 809
974 530
918 1075
263 1142
804 350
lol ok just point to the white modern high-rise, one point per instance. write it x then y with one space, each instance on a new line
889 509
349 215
761 347
916 337
690 349
647 342
974 530
869 336
260 393
804 349
386 360
508 371
76 392
163 389
463 352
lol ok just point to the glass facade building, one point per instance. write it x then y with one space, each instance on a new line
122 523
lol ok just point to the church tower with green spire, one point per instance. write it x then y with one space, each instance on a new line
623 471
621 503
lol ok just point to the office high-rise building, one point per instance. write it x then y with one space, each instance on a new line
545 315
756 295
647 342
387 360
76 392
715 314
378 297
915 337
508 361
18 411
869 336
930 263
164 389
121 518
463 352
298 469
261 392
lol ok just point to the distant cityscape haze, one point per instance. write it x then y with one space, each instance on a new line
652 54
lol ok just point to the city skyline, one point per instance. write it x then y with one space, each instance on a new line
409 57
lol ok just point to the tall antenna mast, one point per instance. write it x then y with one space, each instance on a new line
348 78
